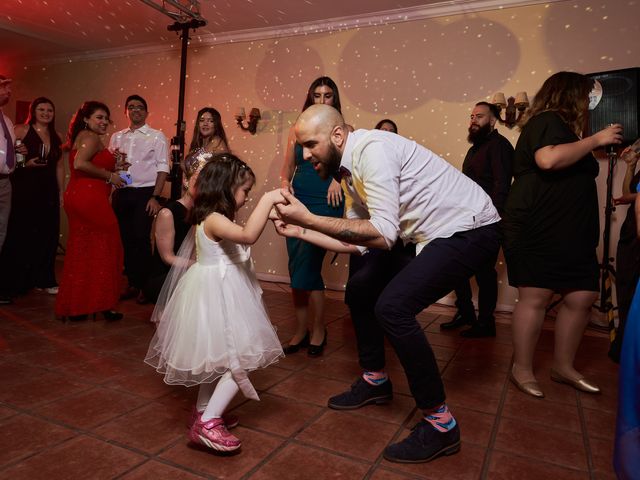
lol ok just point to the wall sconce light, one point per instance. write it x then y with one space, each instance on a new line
511 105
252 125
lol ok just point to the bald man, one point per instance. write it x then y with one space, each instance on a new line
423 228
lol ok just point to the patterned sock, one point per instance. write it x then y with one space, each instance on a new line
375 378
441 419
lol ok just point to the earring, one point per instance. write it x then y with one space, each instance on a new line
86 125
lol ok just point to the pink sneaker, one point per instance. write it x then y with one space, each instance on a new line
214 434
230 420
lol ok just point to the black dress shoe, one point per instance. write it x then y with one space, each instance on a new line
361 394
457 321
316 350
77 318
423 444
5 300
295 347
479 330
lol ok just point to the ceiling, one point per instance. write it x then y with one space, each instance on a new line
53 30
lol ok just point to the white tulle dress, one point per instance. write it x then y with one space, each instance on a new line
214 320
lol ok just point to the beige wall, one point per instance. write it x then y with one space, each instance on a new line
425 74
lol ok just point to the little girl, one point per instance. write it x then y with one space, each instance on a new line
214 324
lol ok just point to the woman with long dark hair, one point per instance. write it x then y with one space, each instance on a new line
551 226
92 272
30 248
322 197
209 138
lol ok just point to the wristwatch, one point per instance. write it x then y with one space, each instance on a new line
157 197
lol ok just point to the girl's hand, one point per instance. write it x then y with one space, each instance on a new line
334 194
275 196
273 215
611 135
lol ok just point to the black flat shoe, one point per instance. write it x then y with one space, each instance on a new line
295 347
316 350
112 315
77 318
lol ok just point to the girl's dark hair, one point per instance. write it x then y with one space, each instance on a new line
216 187
386 120
31 119
566 93
319 82
77 121
197 141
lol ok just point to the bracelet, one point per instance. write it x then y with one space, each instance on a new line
108 180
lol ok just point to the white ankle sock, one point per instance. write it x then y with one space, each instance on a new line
222 396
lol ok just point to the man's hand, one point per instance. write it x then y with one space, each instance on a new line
294 211
287 230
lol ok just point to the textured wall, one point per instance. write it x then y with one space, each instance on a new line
425 74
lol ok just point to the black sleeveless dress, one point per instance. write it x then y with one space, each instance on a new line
159 269
28 257
551 224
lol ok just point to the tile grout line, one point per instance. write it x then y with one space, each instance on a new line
486 463
585 438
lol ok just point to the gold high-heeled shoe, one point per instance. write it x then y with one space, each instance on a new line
530 388
581 384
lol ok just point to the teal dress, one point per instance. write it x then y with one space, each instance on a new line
305 259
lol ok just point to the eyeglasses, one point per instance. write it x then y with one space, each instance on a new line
135 107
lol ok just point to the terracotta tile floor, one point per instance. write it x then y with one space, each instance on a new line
77 402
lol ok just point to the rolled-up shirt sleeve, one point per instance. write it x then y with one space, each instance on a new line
162 153
377 170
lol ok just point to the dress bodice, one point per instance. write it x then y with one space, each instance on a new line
224 252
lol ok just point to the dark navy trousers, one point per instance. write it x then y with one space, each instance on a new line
388 288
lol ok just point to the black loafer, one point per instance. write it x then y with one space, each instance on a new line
458 321
423 444
361 394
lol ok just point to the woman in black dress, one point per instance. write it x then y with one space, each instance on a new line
29 251
551 226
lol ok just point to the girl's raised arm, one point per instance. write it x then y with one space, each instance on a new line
219 226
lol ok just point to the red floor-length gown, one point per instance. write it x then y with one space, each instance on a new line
92 272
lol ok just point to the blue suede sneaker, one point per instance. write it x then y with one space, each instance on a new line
362 393
423 444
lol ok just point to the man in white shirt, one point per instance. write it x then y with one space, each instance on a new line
429 227
138 203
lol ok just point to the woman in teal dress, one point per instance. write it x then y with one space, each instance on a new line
321 197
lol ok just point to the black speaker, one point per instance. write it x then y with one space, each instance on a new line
620 102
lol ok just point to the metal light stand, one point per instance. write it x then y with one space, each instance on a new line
177 142
606 267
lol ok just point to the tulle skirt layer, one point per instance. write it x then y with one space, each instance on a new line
214 322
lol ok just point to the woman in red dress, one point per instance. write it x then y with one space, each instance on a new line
92 272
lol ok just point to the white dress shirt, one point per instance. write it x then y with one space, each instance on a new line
3 145
407 191
147 152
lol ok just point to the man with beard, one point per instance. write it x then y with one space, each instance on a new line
488 163
138 203
429 227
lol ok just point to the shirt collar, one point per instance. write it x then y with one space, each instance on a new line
144 129
346 162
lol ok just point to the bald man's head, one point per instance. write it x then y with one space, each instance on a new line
321 131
